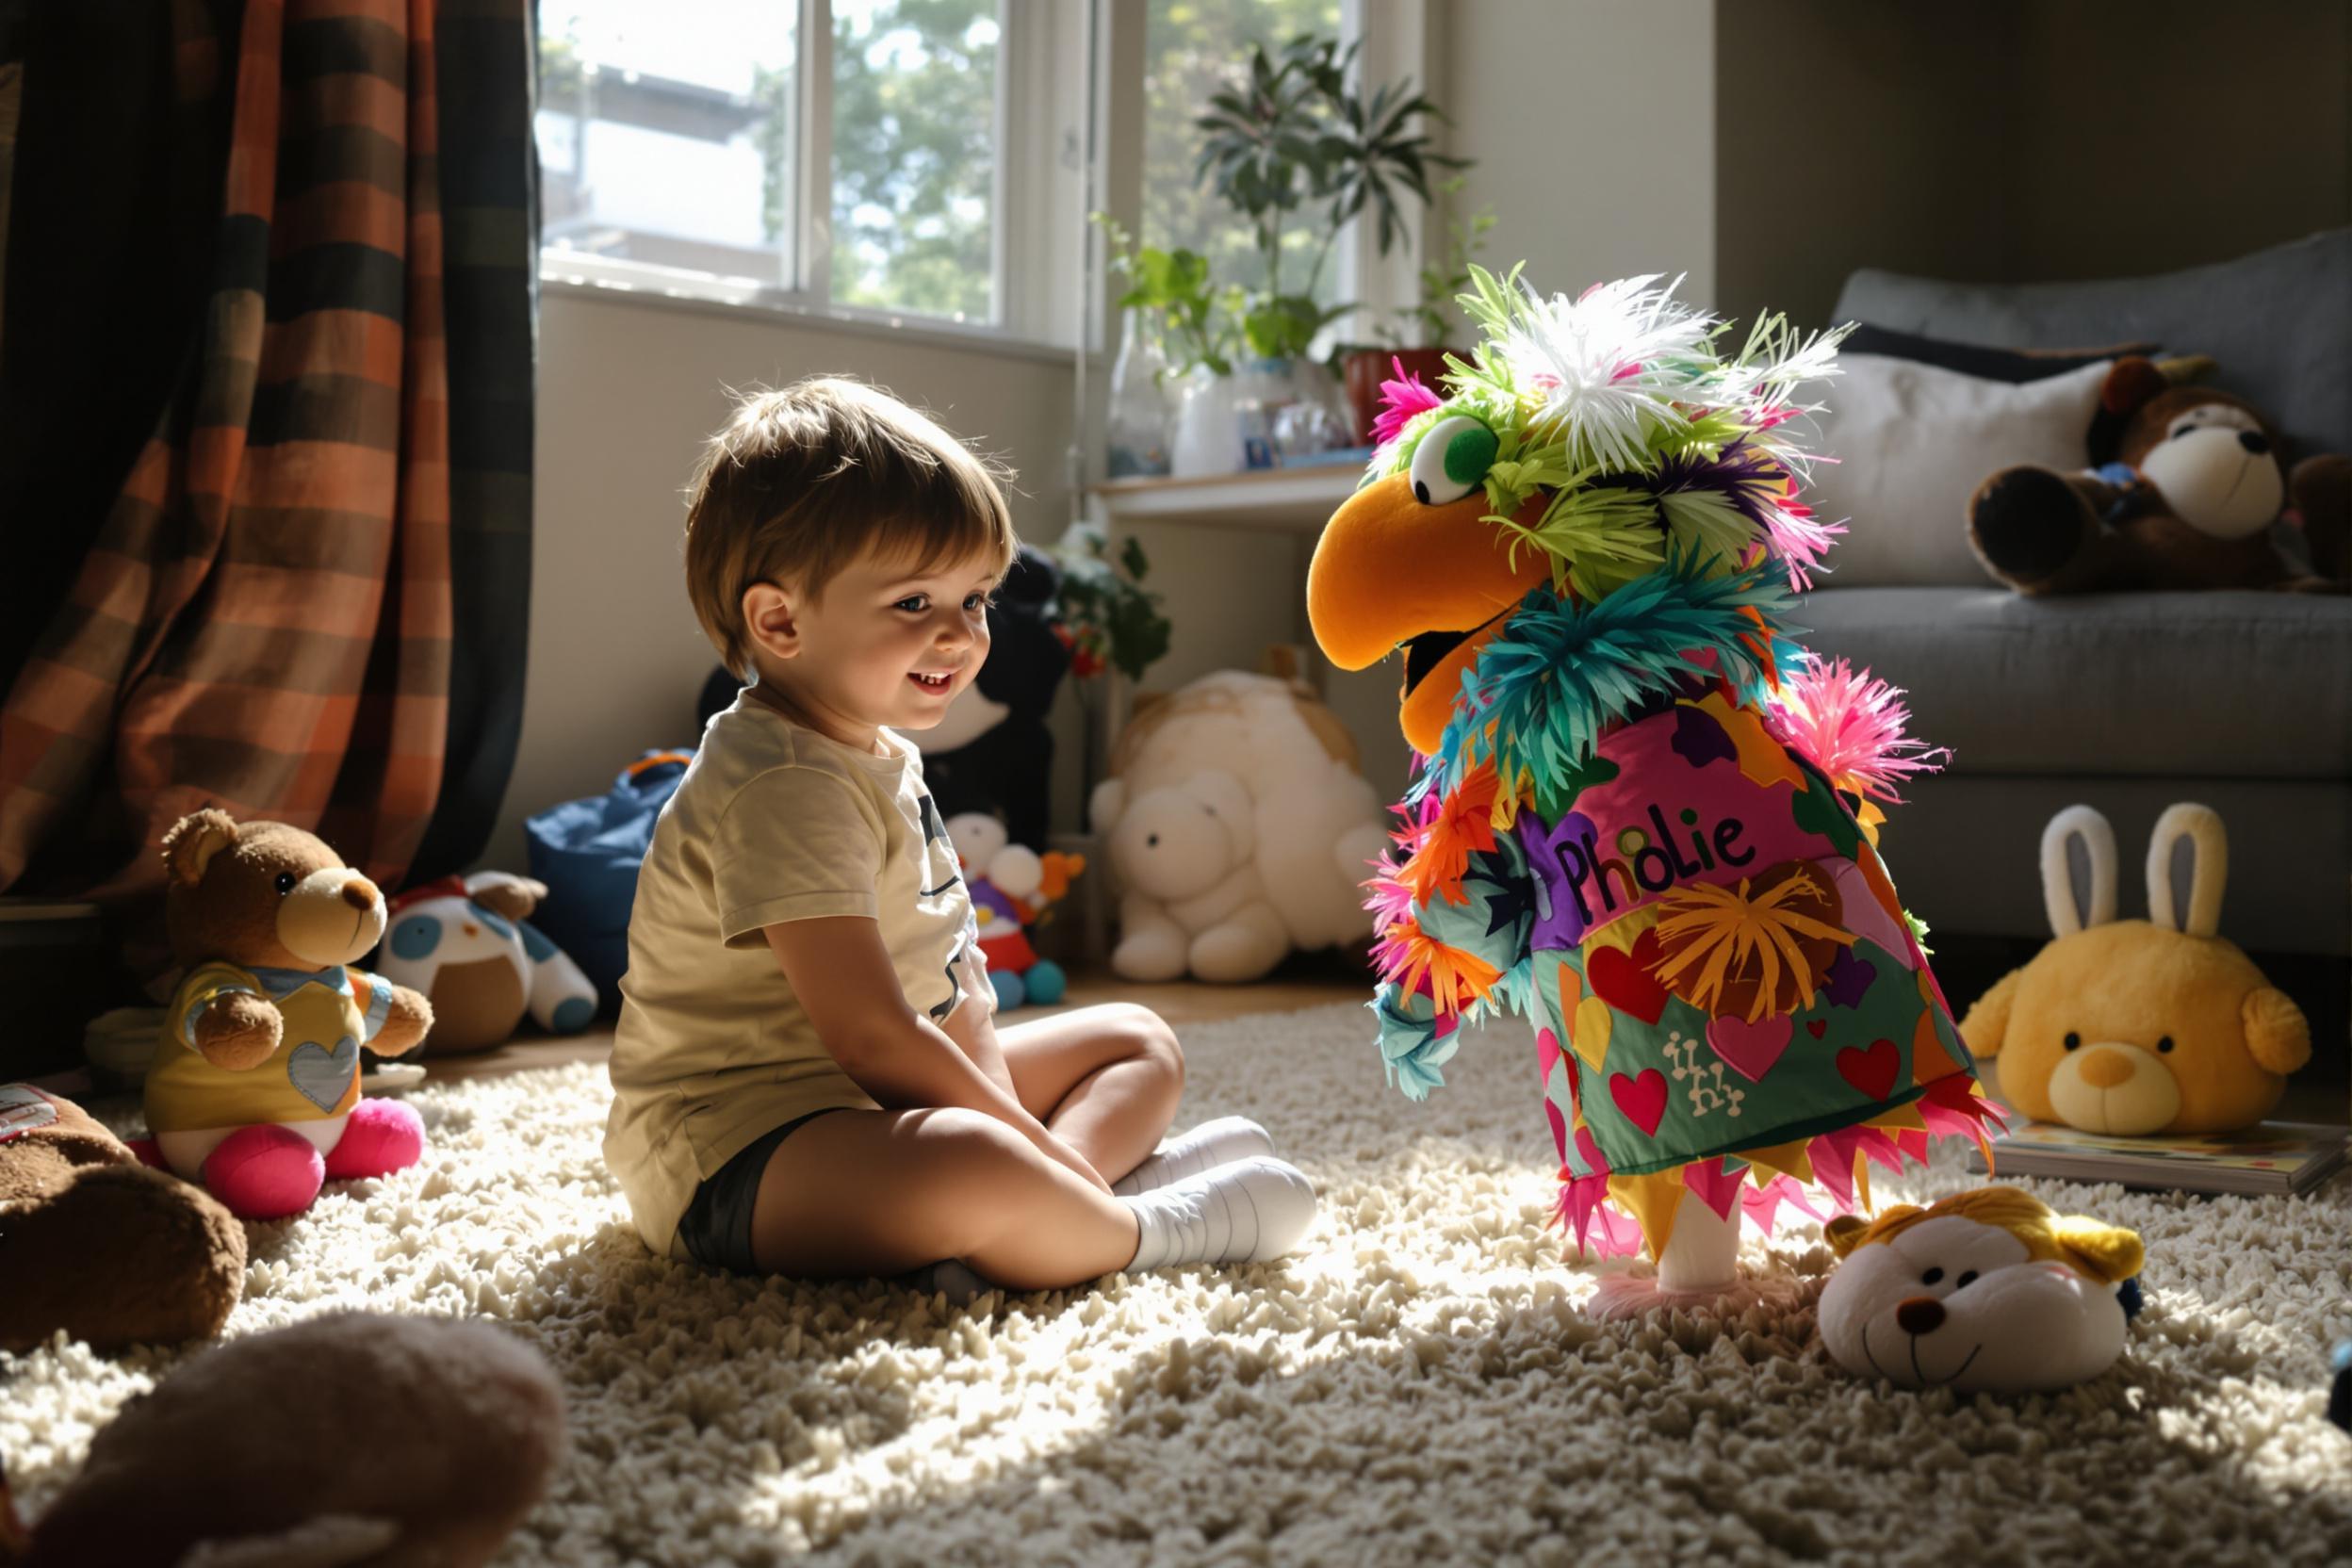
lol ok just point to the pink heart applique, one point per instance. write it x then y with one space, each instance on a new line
1546 1052
1591 1152
1641 1098
1750 1049
1872 1069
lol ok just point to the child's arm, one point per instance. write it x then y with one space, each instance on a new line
842 972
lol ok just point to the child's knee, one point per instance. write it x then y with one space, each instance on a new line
962 1142
1155 1042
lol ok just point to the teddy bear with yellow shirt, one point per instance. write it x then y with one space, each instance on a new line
254 1087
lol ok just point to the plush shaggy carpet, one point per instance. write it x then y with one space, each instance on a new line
1418 1386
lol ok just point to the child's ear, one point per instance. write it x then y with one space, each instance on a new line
772 616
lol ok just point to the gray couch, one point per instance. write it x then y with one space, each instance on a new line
2130 701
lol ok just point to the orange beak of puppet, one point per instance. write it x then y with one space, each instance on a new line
1435 583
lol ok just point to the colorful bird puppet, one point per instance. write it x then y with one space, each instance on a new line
1642 817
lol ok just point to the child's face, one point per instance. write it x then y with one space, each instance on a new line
888 643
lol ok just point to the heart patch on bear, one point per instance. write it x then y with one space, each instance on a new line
1642 1099
1870 1069
1628 981
320 1075
1750 1049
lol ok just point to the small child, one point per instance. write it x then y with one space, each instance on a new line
806 1076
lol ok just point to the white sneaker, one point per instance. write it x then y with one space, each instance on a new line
1246 1212
1206 1147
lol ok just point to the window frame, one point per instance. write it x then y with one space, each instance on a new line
1027 121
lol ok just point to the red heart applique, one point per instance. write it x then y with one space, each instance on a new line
1641 1098
1870 1069
1627 981
1816 1028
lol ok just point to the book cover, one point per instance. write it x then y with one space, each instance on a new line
2274 1156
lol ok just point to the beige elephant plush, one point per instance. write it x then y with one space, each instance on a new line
1238 828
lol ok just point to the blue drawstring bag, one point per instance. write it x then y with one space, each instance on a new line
587 852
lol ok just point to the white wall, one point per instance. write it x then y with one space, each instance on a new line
1593 123
627 392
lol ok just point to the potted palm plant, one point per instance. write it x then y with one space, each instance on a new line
1294 140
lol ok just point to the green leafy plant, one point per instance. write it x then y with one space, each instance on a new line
1444 280
1173 288
1293 134
1107 617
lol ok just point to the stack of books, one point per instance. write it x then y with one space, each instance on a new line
2288 1157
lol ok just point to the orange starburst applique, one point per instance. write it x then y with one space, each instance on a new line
1714 940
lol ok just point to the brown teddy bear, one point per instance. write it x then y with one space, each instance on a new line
351 1438
2130 1027
97 1244
254 1087
2188 482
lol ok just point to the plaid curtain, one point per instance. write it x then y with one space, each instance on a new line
304 599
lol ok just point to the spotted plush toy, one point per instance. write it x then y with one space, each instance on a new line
1645 819
465 945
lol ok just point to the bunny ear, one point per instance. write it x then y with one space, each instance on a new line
2188 866
2078 870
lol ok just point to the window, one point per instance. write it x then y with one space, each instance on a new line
914 155
667 139
1191 48
706 139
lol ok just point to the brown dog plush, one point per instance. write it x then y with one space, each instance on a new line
352 1437
97 1244
2187 484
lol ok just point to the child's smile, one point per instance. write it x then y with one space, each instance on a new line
887 644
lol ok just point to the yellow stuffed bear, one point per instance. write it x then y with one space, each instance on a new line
2131 1027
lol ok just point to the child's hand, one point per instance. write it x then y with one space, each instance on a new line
843 976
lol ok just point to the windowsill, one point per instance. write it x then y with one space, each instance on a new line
708 296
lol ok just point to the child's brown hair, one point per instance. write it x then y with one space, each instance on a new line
801 481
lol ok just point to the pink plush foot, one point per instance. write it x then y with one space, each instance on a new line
383 1136
265 1172
147 1152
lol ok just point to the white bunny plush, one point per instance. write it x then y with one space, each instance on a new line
1238 829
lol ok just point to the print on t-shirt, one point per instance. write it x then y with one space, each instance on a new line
935 832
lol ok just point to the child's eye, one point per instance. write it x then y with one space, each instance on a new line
979 601
914 604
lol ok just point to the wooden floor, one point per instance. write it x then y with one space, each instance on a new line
1308 981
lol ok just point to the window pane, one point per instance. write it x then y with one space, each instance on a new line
914 155
1193 48
665 133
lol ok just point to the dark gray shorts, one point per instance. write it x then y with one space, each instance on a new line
717 1226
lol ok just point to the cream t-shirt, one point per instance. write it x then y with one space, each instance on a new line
772 823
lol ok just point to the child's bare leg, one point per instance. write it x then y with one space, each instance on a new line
1105 1080
857 1193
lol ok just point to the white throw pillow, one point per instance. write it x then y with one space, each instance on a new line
1913 442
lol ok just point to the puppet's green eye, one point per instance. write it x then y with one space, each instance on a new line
1452 458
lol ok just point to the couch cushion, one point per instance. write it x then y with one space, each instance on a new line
1913 441
2213 685
2276 321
